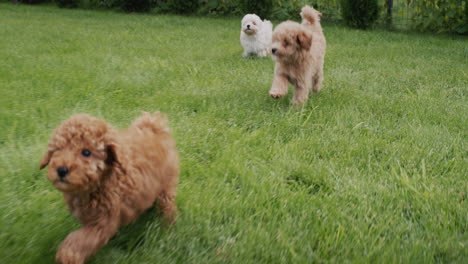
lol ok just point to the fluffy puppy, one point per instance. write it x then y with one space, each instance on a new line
109 177
255 36
299 51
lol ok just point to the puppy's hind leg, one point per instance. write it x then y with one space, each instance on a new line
301 94
317 81
167 206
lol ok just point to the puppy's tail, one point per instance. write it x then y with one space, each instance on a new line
156 123
310 16
268 24
268 31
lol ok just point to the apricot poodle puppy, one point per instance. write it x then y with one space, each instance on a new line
299 51
110 177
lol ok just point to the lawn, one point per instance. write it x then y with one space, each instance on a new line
372 170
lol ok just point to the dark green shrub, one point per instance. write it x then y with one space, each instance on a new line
441 16
107 4
283 10
219 7
359 13
178 6
32 2
262 8
290 9
67 3
136 5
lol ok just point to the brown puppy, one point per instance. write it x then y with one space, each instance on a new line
299 51
109 177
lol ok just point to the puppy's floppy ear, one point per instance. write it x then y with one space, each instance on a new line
111 150
304 39
46 158
115 156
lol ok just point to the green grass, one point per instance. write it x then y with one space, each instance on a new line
372 170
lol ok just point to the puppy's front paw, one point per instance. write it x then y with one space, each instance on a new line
276 94
67 256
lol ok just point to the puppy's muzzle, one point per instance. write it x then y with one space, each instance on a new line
248 26
62 172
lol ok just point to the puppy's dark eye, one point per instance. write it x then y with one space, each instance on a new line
286 43
86 153
254 23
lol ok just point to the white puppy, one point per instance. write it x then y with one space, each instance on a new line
255 36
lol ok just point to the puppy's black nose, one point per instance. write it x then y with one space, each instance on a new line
248 26
273 51
62 171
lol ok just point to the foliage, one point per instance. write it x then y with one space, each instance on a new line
441 15
275 9
32 2
106 4
262 8
135 5
290 9
177 6
184 6
359 13
67 3
284 10
219 7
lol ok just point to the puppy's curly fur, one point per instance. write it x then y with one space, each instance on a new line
299 51
109 177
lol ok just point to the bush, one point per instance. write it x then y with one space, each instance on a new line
136 5
262 8
106 4
32 2
67 3
441 16
290 9
178 6
219 7
283 10
359 13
